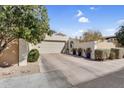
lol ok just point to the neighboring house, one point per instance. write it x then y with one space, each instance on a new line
110 38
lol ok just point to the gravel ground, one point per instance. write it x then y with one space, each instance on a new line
16 70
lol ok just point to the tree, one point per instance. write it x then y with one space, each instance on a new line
120 35
30 23
91 35
52 31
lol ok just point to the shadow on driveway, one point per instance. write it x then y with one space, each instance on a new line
55 78
113 80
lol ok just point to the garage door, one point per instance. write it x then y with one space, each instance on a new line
51 47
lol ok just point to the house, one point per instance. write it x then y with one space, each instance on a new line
91 46
19 49
110 38
51 44
58 43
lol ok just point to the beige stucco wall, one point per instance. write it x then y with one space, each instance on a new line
96 45
83 45
105 45
23 52
91 45
10 54
75 44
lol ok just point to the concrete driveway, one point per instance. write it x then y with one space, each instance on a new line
80 72
59 70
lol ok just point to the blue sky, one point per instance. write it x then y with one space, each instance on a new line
74 20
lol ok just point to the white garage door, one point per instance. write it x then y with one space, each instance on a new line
51 47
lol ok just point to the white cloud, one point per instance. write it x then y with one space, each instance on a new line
83 20
121 21
92 8
82 31
81 17
80 13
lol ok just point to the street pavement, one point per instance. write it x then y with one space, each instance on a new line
66 71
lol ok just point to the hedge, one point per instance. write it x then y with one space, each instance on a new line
113 53
102 54
33 55
119 52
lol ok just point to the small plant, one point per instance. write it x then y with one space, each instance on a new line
33 55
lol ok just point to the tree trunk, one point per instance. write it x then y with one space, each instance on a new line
4 43
2 47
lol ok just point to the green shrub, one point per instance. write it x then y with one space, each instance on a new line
112 55
102 54
119 52
33 55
